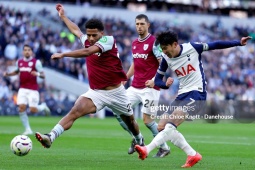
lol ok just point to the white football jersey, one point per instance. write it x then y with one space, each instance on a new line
188 68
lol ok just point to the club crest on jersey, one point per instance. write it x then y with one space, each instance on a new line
30 64
145 46
134 47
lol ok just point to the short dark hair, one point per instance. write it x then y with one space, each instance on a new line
167 38
26 45
141 16
94 24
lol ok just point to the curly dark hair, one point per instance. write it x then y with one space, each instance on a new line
167 38
94 24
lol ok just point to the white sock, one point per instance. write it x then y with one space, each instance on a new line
153 126
178 139
41 107
24 119
160 139
56 132
138 138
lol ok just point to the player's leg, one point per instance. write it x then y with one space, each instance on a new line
82 106
150 99
169 133
22 102
34 106
133 98
122 106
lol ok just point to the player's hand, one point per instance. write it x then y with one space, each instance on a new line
5 74
57 56
124 82
34 73
149 83
169 81
60 9
244 40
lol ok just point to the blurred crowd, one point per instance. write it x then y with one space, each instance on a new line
230 73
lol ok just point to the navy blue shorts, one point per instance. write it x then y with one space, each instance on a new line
191 102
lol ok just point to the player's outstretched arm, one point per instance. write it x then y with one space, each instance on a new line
71 26
84 52
6 74
226 44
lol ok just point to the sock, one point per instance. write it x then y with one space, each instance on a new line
41 107
24 119
139 139
56 132
153 126
123 125
177 139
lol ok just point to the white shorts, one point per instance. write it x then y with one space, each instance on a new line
115 99
27 96
149 97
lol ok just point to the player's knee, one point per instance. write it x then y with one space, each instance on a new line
22 108
160 128
147 119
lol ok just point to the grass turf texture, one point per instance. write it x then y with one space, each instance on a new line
102 144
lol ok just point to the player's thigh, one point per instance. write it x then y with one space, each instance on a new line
150 99
133 96
22 97
83 106
98 99
120 103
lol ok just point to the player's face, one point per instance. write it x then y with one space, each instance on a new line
93 35
27 52
169 50
142 27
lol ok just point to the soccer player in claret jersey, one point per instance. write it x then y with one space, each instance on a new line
28 69
185 61
105 75
146 57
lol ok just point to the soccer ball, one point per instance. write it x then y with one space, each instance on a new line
21 145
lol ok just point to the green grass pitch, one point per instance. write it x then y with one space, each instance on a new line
102 144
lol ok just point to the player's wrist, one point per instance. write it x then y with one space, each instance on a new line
38 74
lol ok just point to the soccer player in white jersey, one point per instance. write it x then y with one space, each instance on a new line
185 61
105 75
28 69
146 57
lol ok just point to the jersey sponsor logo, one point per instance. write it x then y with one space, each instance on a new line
183 71
103 39
145 46
137 55
134 47
25 69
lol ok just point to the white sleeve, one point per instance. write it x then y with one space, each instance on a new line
105 43
17 66
38 66
83 38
